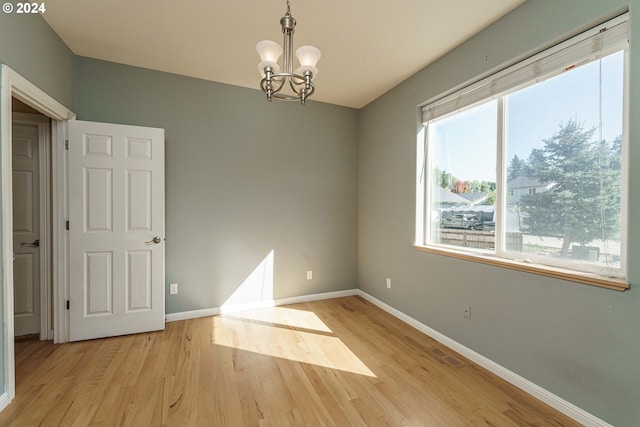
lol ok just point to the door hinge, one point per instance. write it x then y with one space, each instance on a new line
67 225
67 304
66 144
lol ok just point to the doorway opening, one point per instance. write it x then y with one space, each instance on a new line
13 85
31 182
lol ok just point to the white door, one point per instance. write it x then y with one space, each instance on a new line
26 230
116 229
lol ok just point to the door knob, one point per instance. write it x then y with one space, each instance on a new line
34 244
155 240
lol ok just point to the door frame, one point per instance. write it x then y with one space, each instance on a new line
44 145
13 84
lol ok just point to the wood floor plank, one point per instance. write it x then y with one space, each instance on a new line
340 362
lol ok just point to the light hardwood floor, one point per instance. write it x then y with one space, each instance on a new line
340 362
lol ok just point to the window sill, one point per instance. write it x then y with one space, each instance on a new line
558 273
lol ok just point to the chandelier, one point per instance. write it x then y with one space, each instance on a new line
297 86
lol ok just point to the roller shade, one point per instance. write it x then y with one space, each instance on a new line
589 46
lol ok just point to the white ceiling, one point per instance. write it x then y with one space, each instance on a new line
368 46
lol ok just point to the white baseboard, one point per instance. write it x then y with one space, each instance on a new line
4 400
567 408
193 314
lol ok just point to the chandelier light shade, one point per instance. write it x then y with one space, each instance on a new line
282 82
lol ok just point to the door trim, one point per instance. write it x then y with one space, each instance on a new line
44 146
13 84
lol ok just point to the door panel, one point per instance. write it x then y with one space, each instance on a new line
139 281
98 281
139 190
98 198
116 209
23 266
26 225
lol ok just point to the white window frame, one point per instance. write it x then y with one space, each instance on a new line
600 41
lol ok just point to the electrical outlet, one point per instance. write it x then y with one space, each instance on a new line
467 312
388 283
309 275
173 288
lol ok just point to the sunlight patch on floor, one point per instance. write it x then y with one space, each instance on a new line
287 334
283 316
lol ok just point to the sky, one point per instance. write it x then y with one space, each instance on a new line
466 142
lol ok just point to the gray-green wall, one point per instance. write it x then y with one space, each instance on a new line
30 47
243 177
580 342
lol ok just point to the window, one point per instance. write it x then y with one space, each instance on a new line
528 165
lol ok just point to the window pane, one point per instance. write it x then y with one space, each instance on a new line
462 151
563 155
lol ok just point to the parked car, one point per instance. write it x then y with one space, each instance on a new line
468 221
